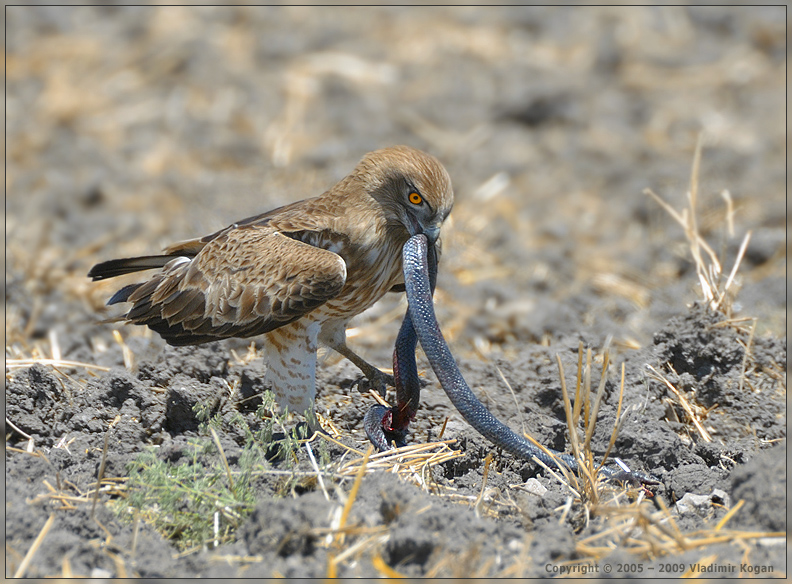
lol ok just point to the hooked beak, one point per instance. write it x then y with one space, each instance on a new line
432 232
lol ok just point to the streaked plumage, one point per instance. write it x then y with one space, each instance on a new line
298 273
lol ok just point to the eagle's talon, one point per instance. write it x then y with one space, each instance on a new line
378 381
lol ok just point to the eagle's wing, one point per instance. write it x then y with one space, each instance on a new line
245 280
297 212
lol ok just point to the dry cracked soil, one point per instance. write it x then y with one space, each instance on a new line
128 128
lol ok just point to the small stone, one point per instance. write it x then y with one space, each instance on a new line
692 503
534 487
721 497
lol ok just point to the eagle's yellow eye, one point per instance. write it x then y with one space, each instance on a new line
415 198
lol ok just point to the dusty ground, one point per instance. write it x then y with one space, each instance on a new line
129 128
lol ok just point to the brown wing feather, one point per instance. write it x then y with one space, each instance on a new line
296 210
294 216
245 281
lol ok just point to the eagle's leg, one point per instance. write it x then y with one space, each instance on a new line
291 370
334 336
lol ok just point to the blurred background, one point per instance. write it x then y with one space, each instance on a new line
132 127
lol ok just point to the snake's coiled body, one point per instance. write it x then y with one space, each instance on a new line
420 324
385 425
